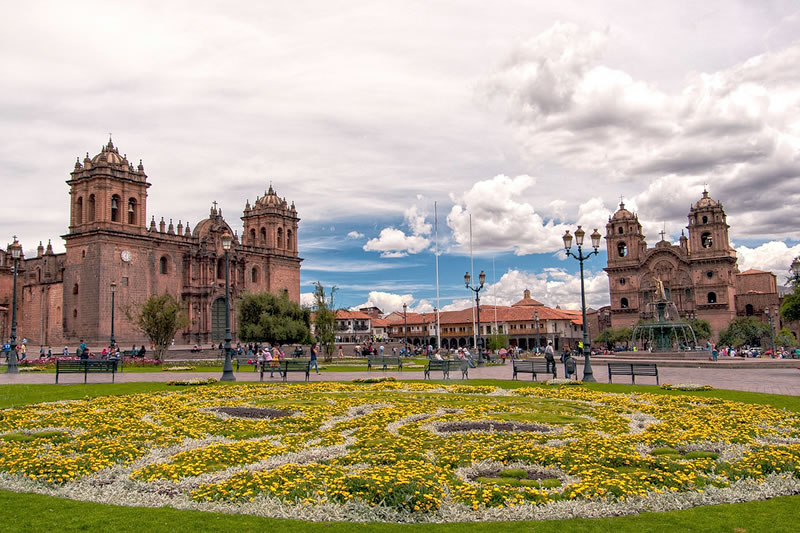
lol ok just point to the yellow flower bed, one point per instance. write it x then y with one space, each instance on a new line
388 445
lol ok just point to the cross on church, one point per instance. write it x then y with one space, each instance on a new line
663 231
214 203
621 200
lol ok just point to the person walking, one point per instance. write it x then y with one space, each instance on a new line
314 358
550 358
714 352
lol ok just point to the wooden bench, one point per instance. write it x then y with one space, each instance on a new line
285 366
85 367
632 370
384 362
446 366
533 368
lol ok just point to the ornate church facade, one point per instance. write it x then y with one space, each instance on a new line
699 275
65 297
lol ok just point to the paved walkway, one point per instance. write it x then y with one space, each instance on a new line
768 379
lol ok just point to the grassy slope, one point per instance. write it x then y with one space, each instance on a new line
31 512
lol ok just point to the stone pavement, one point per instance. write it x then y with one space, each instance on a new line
768 379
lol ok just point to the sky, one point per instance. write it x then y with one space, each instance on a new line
528 118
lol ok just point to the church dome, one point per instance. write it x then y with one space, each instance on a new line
706 201
622 213
109 155
270 199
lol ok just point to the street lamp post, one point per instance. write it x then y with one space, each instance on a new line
113 292
538 340
588 375
227 370
405 329
477 291
771 329
16 253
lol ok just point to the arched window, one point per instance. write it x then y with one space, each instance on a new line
705 219
132 211
748 309
91 208
623 303
280 238
163 265
705 240
288 239
115 208
74 313
75 289
263 236
221 268
622 249
712 297
254 275
252 237
79 211
621 231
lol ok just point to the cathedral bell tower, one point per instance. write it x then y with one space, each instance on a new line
708 229
271 225
107 192
626 248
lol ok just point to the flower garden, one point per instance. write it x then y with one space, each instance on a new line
402 452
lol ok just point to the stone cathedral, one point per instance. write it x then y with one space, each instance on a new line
65 297
699 274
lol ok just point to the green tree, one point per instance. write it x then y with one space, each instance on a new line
159 319
785 338
790 308
745 331
496 340
702 328
325 319
264 317
613 336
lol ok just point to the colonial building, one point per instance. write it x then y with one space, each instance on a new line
699 274
67 297
527 323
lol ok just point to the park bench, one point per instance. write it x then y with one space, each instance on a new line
245 359
85 367
533 368
384 362
446 366
632 370
284 366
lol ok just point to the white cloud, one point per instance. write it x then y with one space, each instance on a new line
774 256
734 128
307 299
502 219
393 242
416 221
553 287
355 235
387 302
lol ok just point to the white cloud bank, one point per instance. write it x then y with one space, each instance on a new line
503 217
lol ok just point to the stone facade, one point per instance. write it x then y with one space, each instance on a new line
699 274
67 297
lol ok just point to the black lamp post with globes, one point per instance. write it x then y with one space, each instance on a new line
588 375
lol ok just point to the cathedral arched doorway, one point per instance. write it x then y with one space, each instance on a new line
218 320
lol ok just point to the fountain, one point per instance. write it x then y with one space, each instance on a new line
668 332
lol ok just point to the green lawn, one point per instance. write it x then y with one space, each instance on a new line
31 512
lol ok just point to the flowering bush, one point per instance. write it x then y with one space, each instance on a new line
196 381
686 386
402 451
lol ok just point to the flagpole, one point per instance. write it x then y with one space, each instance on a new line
436 238
472 275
